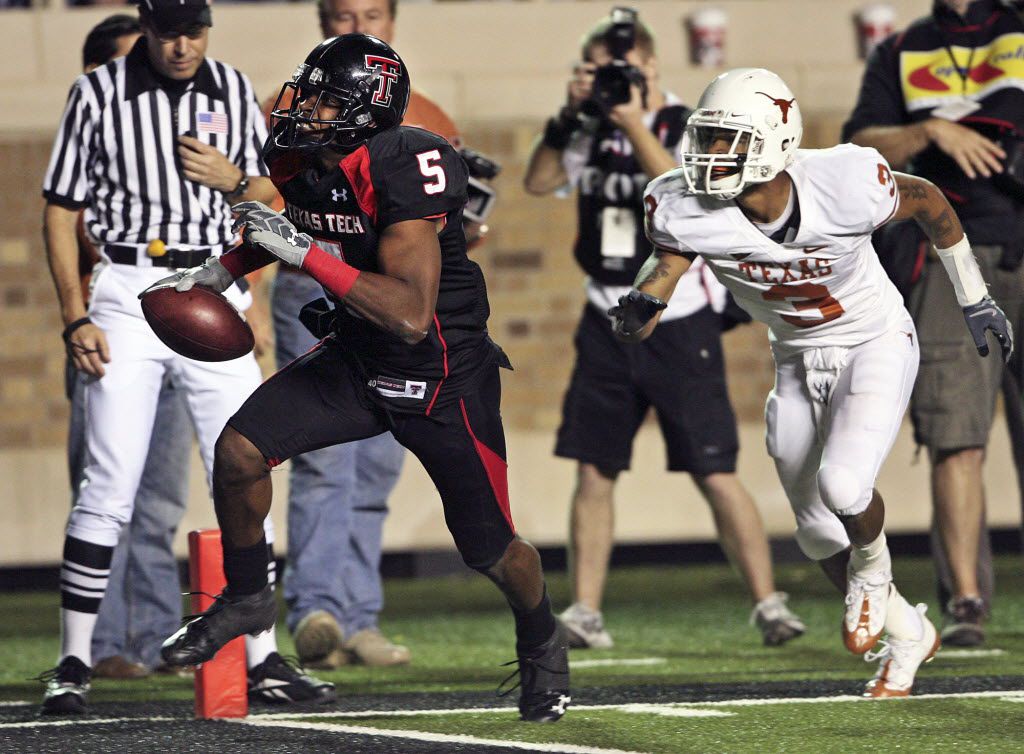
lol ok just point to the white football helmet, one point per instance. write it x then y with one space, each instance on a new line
753 113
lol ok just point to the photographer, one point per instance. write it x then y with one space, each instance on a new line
935 117
617 131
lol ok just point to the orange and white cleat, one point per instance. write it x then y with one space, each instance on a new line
899 661
867 598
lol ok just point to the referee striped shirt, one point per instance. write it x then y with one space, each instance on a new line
115 155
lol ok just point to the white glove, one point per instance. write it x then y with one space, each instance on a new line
211 274
271 231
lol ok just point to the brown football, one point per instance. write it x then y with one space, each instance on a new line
199 323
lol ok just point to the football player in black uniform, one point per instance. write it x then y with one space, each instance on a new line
373 211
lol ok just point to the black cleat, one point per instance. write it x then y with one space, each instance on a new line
66 687
229 616
278 681
543 680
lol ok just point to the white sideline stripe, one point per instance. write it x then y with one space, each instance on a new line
973 652
612 662
14 704
669 710
418 735
636 707
98 721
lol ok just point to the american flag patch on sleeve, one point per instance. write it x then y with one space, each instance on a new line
214 123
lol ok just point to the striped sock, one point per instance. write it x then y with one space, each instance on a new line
83 581
261 646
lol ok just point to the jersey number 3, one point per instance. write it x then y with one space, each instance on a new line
435 172
806 296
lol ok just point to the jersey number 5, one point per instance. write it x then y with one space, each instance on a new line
806 296
436 172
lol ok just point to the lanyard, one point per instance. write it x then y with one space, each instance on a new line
966 72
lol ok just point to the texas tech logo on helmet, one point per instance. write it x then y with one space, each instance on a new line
388 71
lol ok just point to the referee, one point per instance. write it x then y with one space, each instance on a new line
154 147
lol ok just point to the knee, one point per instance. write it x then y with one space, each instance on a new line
594 484
843 490
960 459
236 461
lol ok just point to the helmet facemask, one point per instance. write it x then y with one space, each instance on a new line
298 125
708 169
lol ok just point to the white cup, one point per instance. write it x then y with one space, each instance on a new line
707 28
875 22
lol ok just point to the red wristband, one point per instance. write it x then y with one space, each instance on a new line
336 276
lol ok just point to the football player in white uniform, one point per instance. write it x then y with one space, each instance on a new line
788 231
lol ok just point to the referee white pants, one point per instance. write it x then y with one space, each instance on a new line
832 418
120 407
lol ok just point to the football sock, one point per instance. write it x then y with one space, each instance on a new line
534 627
83 580
245 568
873 556
902 621
76 635
261 646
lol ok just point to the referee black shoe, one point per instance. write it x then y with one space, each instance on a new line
278 681
200 638
66 687
543 680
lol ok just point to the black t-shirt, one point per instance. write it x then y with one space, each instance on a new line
612 177
401 174
910 74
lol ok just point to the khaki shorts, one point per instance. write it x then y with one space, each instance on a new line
955 396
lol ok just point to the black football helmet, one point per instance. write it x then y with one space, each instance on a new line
360 76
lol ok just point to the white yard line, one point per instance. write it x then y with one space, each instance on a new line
611 662
15 704
669 710
632 707
418 735
672 709
98 721
968 653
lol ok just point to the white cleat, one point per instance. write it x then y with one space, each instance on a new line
900 659
585 628
867 597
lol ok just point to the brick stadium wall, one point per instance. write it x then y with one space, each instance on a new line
535 290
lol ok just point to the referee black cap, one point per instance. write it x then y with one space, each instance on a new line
172 15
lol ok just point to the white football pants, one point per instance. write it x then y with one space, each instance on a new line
120 406
832 418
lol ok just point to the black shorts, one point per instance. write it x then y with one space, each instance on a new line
320 400
679 371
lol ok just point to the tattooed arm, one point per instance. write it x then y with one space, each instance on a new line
638 312
921 200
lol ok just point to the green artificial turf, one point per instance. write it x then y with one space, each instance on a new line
695 618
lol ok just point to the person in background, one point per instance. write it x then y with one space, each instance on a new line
928 113
680 372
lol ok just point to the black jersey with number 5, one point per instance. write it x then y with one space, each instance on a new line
401 174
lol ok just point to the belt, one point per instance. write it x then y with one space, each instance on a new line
174 258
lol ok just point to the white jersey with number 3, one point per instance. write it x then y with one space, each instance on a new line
826 287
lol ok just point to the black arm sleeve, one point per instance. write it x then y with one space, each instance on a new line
880 101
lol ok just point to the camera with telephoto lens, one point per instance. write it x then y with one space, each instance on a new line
481 197
612 82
